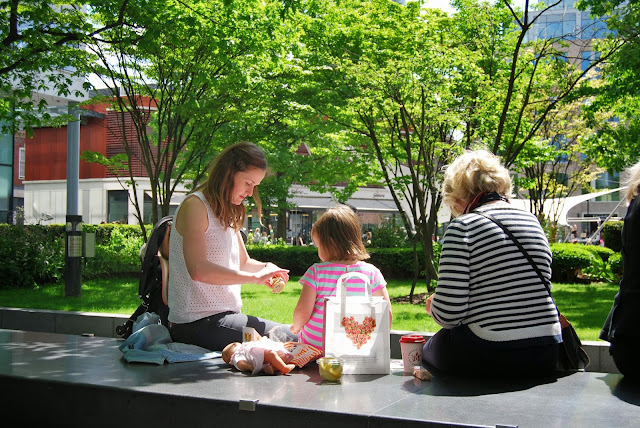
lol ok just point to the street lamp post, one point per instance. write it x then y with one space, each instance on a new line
73 229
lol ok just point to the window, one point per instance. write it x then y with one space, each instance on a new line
593 28
569 28
118 206
147 210
608 180
586 59
21 162
557 25
560 143
562 178
554 27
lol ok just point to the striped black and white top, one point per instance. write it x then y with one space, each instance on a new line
487 283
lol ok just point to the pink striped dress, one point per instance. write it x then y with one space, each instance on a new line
323 278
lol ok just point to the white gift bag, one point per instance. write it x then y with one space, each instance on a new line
357 330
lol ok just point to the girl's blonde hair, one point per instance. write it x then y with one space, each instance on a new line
338 232
472 173
632 181
218 187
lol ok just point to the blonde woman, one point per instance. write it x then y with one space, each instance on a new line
621 328
209 261
497 316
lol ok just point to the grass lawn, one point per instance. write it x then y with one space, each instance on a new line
585 305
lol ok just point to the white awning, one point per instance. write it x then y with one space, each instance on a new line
315 202
563 205
550 205
176 197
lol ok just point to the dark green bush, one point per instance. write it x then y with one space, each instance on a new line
121 255
35 254
397 263
388 235
600 270
30 255
615 262
612 232
569 260
296 259
603 252
394 263
104 231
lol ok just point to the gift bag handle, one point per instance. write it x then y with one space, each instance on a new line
341 287
341 290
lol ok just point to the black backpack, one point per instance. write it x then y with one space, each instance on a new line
150 288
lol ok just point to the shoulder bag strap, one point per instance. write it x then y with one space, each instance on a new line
561 318
519 245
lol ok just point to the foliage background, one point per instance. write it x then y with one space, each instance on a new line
34 255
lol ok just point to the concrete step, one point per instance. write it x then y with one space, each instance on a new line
104 325
53 379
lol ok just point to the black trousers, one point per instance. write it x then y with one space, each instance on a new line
459 351
217 331
625 356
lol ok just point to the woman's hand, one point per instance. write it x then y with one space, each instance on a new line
428 304
269 271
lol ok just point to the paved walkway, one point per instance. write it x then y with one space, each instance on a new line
71 380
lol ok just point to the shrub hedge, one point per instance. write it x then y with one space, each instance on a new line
569 260
393 262
32 255
612 232
117 252
603 252
296 259
615 261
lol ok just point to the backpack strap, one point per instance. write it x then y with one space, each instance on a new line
164 268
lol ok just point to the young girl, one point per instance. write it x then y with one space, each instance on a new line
337 237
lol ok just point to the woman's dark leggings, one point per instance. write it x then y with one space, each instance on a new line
217 331
459 351
625 356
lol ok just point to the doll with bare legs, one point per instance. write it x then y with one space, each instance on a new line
263 354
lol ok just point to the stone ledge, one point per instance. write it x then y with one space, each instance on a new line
79 380
104 325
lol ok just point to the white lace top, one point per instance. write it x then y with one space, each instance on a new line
191 300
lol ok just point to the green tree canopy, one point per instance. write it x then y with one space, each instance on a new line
42 50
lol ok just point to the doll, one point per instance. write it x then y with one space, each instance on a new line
263 354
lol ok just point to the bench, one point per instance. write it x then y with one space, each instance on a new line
99 324
74 380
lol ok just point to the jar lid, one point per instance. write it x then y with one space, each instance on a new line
328 360
412 338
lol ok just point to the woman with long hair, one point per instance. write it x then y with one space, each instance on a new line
209 260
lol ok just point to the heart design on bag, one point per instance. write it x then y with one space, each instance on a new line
359 333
